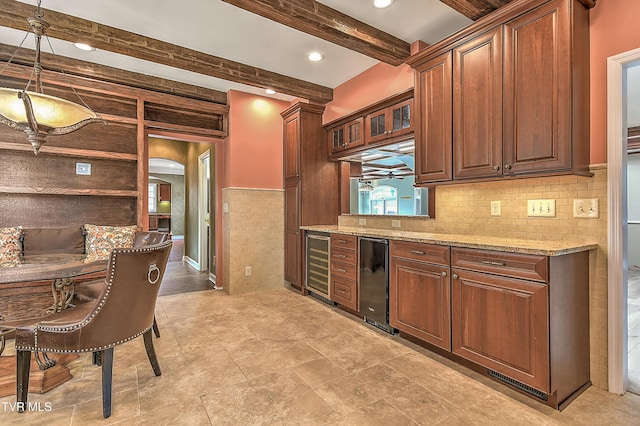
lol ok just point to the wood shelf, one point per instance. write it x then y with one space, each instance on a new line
70 152
67 191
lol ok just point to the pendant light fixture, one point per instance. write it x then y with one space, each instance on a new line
37 114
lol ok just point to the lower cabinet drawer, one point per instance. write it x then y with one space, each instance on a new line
343 291
345 270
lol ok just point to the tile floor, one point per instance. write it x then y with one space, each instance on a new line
277 358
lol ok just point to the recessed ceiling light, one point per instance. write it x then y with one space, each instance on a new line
381 4
270 92
315 56
84 46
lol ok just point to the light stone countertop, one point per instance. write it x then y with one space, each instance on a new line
513 245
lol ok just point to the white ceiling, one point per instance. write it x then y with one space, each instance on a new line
220 29
164 166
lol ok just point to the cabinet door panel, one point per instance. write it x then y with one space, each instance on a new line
419 300
433 132
537 89
292 147
292 260
376 126
477 107
502 324
400 120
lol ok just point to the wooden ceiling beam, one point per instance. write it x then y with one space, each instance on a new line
321 21
80 68
475 9
72 29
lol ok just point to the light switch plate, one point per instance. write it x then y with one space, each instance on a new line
541 208
362 222
586 208
83 169
395 223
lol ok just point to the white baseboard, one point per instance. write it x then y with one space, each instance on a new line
195 265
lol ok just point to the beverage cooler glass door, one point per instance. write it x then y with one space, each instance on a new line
318 264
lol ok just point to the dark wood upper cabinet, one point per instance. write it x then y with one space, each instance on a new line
164 192
348 135
433 134
477 106
291 135
389 122
506 97
539 92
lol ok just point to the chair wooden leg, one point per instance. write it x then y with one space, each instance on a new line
107 381
156 330
151 352
23 368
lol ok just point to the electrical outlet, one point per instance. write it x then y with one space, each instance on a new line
395 223
83 169
362 222
587 208
247 271
496 208
541 208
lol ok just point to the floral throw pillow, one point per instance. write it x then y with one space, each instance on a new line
10 246
100 240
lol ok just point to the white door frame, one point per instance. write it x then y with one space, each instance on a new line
203 217
617 204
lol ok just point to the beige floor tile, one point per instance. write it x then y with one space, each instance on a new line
380 413
319 371
278 398
279 358
357 390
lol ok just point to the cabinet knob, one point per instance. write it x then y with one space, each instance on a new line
444 273
507 166
455 276
496 168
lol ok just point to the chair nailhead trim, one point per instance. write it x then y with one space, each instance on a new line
94 312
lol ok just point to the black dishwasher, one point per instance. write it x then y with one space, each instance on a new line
374 282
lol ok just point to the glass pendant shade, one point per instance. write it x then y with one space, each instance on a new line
37 114
41 115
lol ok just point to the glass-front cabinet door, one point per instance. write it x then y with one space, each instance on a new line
348 135
389 122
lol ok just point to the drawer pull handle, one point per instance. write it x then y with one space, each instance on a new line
340 255
455 276
341 291
444 273
340 270
342 241
417 252
493 263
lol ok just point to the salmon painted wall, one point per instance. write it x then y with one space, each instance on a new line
254 145
251 156
614 30
377 83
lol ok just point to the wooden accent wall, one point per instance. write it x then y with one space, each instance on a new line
44 190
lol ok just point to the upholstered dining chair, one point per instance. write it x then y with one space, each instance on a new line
89 291
123 311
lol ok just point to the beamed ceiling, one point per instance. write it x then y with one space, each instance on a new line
210 47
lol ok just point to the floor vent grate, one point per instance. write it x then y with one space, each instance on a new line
320 298
384 327
521 386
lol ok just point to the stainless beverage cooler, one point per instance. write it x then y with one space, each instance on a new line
374 282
